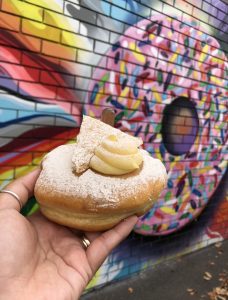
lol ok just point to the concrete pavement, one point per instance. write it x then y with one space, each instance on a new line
190 277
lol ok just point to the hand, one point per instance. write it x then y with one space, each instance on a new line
43 260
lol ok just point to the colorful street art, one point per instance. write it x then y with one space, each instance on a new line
152 65
162 67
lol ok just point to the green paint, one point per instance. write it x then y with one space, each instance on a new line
28 206
147 129
168 196
211 186
109 99
119 116
191 55
158 128
186 42
212 107
190 178
218 141
160 77
184 216
104 79
203 83
190 70
171 86
145 227
34 209
218 116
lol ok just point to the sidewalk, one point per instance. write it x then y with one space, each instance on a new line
190 277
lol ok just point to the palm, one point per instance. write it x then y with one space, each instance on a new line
51 256
43 260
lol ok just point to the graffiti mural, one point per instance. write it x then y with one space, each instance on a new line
155 63
161 66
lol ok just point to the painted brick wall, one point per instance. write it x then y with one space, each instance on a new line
162 66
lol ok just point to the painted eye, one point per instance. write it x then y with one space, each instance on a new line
180 125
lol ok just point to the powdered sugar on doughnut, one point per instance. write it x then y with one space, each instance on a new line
57 175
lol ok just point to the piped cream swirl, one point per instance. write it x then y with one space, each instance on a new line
116 156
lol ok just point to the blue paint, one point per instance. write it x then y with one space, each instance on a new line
7 115
173 225
27 118
94 93
197 192
123 15
170 183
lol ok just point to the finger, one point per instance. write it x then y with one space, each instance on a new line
105 242
23 187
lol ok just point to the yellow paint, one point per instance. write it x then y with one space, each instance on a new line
94 281
223 164
174 163
217 60
98 98
122 67
7 175
71 141
173 57
203 54
21 171
216 80
170 34
41 30
185 196
125 92
37 160
136 104
158 154
137 53
61 21
91 114
195 75
75 40
197 141
204 98
53 5
185 95
69 38
152 36
207 115
204 170
164 226
168 210
23 9
157 96
159 137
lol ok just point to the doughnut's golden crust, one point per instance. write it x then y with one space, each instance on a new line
82 210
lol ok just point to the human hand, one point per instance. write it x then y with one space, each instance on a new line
43 260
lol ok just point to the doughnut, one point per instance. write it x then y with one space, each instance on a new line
73 194
155 65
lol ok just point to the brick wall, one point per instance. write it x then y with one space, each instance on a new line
162 66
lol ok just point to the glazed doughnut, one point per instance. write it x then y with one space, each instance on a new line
90 200
155 62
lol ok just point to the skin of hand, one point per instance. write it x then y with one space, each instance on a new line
43 260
